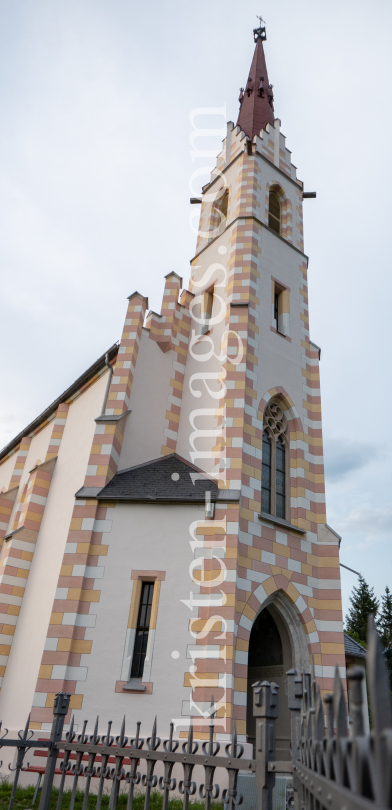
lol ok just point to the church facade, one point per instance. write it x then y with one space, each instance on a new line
163 522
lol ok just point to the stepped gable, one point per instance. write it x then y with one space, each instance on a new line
153 481
256 111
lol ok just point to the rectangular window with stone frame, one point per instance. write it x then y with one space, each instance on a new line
280 308
206 309
136 670
142 628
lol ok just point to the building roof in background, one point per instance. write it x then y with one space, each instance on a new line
352 647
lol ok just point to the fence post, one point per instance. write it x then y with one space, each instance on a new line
265 710
295 695
60 708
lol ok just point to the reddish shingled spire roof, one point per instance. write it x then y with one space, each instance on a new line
256 99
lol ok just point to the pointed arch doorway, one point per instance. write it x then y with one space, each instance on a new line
270 656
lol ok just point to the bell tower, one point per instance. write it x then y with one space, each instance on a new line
264 438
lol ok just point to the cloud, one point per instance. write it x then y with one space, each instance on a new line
342 456
373 522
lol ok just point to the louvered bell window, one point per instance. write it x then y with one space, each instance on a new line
274 212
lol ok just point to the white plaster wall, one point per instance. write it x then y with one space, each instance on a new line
6 470
37 450
190 402
20 679
143 537
143 436
280 361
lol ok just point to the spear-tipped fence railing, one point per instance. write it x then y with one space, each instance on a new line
116 761
334 763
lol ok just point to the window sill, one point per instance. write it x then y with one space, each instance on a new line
134 686
285 337
280 522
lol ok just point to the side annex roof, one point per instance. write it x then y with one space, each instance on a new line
167 479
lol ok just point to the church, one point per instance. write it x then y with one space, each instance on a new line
163 522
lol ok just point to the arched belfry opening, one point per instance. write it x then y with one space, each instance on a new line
270 656
274 209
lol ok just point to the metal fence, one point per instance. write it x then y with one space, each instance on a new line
335 765
117 760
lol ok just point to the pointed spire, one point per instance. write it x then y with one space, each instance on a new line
257 97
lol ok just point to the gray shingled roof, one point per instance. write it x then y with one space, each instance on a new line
153 481
352 647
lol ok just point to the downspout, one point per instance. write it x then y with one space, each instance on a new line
105 399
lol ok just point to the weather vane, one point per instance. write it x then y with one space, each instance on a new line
260 20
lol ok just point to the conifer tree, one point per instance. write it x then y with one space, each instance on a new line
363 602
384 626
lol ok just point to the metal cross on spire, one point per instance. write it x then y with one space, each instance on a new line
259 33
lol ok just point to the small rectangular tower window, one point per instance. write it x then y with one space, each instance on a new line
280 308
276 309
207 305
142 629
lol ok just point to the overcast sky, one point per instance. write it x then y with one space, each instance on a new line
94 172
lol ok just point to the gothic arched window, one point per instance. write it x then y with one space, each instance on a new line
223 204
280 478
275 463
274 211
266 474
